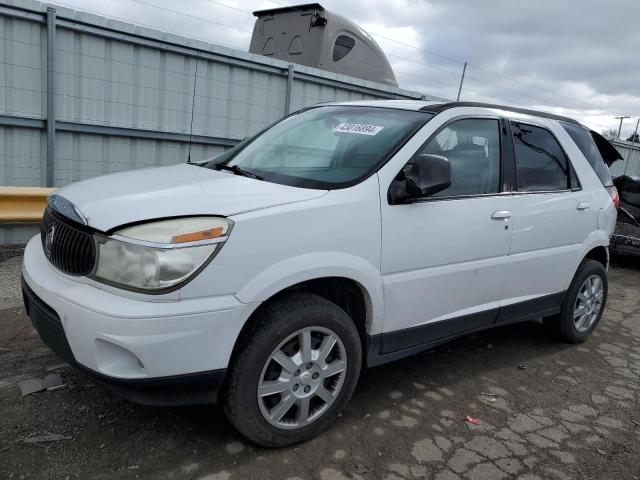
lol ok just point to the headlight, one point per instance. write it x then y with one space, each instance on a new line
159 255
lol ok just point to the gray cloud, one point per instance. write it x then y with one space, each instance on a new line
579 58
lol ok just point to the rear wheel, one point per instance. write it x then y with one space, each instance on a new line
295 371
583 304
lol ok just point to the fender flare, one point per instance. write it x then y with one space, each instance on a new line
599 238
295 270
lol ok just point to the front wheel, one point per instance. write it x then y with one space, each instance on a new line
583 304
295 370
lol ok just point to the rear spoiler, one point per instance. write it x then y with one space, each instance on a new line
609 153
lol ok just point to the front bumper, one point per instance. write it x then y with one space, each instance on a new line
147 351
189 389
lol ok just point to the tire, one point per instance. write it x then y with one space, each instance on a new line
281 327
566 325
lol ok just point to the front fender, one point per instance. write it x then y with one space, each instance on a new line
312 266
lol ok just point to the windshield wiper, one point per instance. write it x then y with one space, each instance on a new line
237 170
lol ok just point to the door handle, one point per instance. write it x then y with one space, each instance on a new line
583 206
501 215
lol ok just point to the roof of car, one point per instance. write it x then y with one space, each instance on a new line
437 107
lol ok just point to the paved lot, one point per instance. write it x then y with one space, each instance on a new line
549 410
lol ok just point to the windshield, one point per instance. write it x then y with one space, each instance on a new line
326 147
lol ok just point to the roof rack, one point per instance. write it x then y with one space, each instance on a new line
446 106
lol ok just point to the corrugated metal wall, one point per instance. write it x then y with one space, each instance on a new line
131 79
123 97
631 164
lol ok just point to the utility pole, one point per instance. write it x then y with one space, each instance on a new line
621 118
464 69
635 132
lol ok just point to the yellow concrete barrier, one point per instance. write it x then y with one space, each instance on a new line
23 204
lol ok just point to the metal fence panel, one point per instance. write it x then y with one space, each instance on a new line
23 156
106 82
234 102
631 164
22 68
305 93
80 156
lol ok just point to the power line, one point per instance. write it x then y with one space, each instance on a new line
539 88
177 12
153 27
421 77
430 80
230 6
435 67
462 62
247 31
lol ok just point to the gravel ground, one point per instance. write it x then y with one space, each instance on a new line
547 411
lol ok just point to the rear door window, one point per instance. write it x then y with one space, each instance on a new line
584 140
541 165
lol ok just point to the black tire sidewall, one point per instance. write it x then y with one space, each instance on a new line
277 322
567 327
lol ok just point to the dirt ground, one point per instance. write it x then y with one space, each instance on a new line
547 411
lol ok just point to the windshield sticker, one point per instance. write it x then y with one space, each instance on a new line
358 128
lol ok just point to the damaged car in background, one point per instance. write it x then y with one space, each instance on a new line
626 237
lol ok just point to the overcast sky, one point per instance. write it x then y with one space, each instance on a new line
578 58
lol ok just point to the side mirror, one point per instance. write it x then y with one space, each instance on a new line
424 176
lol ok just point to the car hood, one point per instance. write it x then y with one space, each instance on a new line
121 198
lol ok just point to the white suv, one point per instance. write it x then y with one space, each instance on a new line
345 235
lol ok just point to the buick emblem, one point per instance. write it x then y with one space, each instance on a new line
48 240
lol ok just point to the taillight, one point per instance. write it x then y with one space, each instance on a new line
613 192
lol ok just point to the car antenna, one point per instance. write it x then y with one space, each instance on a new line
193 102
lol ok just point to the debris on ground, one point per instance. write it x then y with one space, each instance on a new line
53 381
57 366
32 385
489 397
475 421
50 437
522 366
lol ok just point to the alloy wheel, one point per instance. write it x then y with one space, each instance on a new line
588 303
302 378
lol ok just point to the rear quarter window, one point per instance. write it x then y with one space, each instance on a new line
584 141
